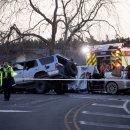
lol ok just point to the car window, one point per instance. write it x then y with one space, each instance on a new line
31 64
61 60
46 60
18 66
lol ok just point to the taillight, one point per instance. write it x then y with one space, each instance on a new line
57 66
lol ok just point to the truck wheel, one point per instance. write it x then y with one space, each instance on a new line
112 88
71 69
41 85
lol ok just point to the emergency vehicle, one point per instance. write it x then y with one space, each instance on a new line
112 54
118 57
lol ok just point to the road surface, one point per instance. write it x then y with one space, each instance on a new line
65 112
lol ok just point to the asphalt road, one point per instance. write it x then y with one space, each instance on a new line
65 112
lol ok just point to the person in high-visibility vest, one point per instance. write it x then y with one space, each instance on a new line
1 77
8 74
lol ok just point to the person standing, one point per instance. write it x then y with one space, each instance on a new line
103 68
1 77
8 75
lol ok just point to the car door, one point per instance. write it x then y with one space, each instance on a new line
48 63
18 72
31 67
97 85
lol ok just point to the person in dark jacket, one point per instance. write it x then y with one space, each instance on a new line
8 75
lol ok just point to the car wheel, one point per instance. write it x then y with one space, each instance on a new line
41 85
112 88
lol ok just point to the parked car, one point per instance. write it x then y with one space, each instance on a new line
115 81
119 81
51 67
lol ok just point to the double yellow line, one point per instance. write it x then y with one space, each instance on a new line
74 113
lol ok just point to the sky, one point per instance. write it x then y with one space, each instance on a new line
122 20
123 11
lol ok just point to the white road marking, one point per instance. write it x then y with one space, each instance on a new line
118 99
105 114
125 106
105 105
115 106
105 125
97 97
14 111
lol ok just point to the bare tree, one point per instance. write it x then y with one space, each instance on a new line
69 18
50 21
85 15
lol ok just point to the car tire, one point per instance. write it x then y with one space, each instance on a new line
41 85
71 69
112 88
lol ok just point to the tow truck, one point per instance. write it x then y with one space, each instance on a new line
51 67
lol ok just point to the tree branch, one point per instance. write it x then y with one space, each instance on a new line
22 35
108 24
39 12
